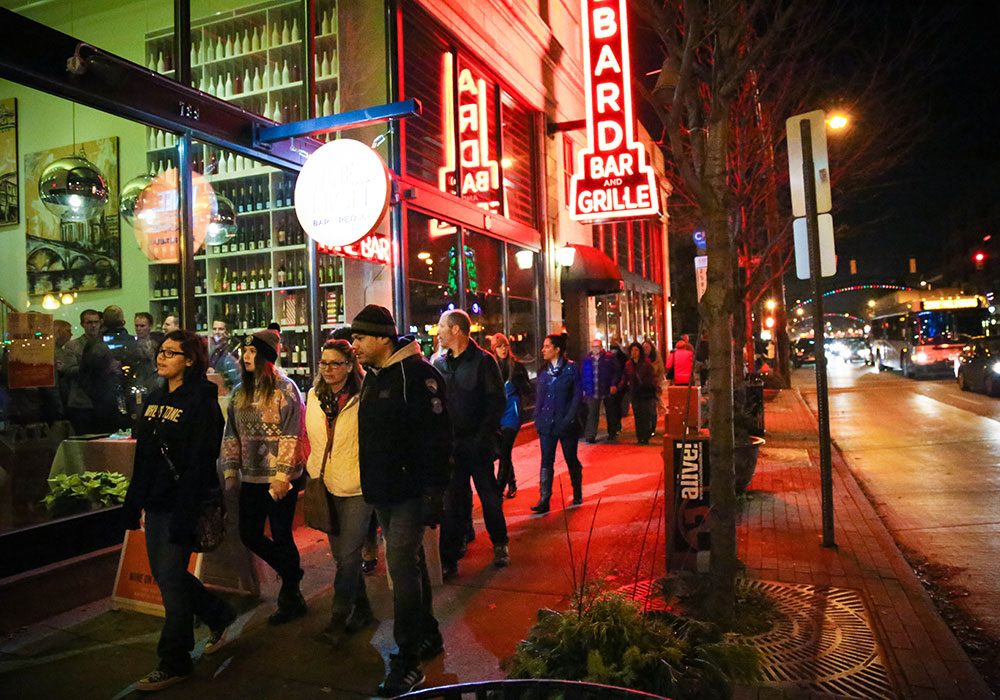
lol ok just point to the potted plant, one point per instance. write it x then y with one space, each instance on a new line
70 494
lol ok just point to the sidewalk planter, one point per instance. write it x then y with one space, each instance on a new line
745 463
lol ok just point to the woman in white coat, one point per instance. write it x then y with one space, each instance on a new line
332 426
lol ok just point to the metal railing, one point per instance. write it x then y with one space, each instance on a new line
529 689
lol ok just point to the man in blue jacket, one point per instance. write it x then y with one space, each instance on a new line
601 373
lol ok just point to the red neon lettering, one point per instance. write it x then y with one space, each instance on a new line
612 180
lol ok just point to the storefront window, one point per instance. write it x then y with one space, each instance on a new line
517 161
621 241
484 286
424 60
523 306
433 272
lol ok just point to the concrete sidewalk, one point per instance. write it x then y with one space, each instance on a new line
98 653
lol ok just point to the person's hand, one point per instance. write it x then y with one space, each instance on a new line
231 483
280 488
432 507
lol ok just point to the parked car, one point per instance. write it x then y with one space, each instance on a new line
977 367
803 351
850 350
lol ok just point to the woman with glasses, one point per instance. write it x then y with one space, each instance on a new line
332 426
264 448
178 432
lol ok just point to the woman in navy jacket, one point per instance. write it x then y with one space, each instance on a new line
557 401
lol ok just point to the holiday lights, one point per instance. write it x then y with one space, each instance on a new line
857 288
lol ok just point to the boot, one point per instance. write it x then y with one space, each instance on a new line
544 493
576 478
291 604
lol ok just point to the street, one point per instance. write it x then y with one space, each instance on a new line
928 455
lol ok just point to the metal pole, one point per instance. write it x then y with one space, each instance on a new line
822 404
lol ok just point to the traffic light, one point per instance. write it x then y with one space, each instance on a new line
979 258
769 322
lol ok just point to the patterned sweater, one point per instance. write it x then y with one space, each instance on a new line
265 440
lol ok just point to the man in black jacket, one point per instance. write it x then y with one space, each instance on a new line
476 402
404 450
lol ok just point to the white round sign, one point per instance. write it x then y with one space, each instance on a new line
342 193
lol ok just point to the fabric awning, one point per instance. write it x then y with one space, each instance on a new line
592 272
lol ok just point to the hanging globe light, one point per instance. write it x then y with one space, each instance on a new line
73 189
130 197
222 225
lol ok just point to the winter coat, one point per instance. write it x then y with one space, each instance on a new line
557 399
608 375
189 422
342 475
266 438
681 361
404 432
515 387
476 398
640 380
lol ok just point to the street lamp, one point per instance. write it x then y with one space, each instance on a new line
838 121
771 304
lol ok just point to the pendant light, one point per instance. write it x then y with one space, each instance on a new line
73 189
222 225
131 193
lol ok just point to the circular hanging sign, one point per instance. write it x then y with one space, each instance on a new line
342 193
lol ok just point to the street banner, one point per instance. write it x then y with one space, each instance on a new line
701 274
689 502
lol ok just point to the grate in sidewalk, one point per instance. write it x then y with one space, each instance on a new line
824 643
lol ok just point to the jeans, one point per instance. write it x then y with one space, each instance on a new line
505 475
645 417
548 445
403 529
476 460
612 411
354 516
279 551
184 596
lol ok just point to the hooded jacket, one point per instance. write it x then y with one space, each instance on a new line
557 399
404 432
189 422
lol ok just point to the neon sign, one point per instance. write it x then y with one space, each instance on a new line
954 303
471 160
372 248
612 180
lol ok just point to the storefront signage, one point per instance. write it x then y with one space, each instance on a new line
689 516
342 193
372 248
960 303
612 180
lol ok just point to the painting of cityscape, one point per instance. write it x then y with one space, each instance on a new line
10 211
68 256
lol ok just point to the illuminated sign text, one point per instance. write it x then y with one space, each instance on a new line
961 303
372 248
612 180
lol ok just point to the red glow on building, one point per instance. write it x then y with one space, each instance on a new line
613 180
372 248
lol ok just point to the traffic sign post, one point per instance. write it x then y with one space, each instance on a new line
803 125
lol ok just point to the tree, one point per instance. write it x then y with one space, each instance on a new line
729 66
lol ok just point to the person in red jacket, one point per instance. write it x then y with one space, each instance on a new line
681 360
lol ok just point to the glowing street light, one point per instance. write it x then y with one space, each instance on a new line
838 121
771 304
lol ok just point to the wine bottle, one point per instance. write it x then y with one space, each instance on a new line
286 35
300 276
161 67
255 40
258 204
275 35
246 41
197 284
282 275
295 29
220 49
286 75
324 26
257 85
229 47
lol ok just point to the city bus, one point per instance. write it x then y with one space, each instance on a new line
921 332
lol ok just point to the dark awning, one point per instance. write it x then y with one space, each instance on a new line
592 272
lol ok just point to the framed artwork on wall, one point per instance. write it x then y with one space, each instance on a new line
10 207
69 256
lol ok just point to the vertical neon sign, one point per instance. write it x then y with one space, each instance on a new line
612 180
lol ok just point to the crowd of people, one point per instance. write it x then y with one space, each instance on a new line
398 443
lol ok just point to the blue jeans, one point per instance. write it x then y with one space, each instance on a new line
184 596
476 460
353 516
403 529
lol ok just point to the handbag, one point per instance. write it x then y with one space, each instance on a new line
316 510
210 527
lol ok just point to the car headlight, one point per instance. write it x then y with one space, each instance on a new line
920 357
996 367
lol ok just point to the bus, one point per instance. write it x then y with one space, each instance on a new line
921 332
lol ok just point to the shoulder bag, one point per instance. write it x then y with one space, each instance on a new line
210 528
316 509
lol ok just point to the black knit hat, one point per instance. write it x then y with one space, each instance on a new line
266 343
374 320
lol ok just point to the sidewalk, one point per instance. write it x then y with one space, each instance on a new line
98 653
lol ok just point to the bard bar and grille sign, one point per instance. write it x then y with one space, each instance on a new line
612 180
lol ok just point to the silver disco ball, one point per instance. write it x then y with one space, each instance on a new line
73 189
222 225
130 197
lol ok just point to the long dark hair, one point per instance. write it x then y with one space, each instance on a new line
642 351
193 347
354 377
559 341
257 385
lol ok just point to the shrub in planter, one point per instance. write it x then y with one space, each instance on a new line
612 642
77 493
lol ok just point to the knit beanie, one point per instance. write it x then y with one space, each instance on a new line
374 320
266 343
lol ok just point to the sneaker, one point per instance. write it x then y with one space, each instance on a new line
292 609
540 507
217 637
159 679
501 557
368 566
402 678
431 646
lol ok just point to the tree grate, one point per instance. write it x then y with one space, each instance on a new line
823 643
